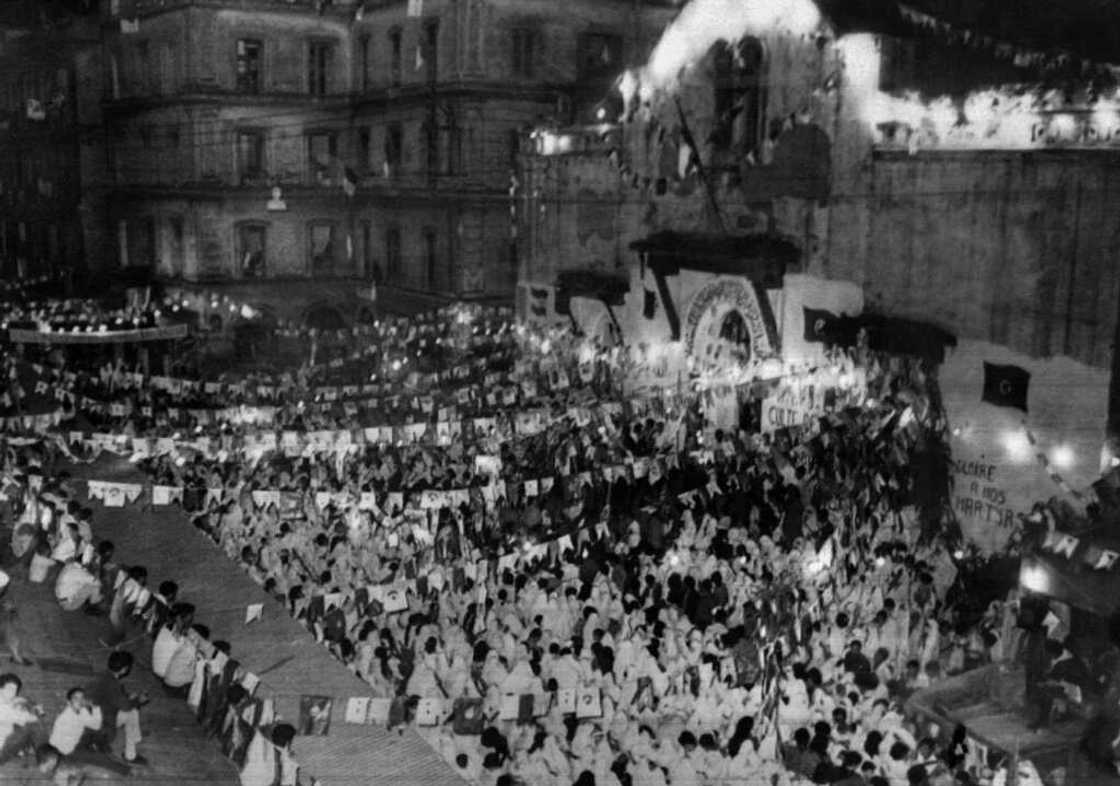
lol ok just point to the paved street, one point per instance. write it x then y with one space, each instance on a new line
67 653
276 648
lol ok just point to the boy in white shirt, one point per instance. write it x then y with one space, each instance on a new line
76 718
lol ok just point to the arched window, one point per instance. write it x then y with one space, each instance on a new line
739 84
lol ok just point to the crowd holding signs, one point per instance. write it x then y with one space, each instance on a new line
555 582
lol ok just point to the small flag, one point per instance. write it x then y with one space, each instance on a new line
1006 386
357 709
253 612
649 307
818 324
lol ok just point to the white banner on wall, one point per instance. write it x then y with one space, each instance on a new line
789 408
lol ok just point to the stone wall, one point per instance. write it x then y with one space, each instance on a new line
1013 248
623 182
997 471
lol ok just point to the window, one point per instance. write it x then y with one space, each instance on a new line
251 247
141 242
600 54
363 149
321 247
393 147
431 49
146 136
740 97
364 61
367 253
249 65
143 68
320 56
321 153
114 75
250 155
430 132
175 237
524 52
395 45
173 139
393 252
431 258
513 148
166 69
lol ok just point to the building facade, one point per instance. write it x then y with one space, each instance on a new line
790 170
52 152
275 140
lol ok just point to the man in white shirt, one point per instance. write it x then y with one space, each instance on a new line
170 636
181 667
76 586
77 717
69 544
18 718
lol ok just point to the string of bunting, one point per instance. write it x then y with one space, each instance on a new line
1020 56
1066 545
1053 473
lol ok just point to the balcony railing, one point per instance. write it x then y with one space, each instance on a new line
151 6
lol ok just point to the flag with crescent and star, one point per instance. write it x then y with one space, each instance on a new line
1006 386
819 324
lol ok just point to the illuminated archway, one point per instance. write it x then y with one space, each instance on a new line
726 325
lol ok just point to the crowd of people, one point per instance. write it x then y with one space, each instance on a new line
75 315
732 607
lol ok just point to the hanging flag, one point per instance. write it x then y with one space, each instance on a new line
818 324
649 308
415 7
1006 385
419 57
684 161
349 181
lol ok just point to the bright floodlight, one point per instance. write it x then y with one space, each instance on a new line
1017 445
1062 457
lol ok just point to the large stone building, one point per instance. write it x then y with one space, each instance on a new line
52 152
332 141
913 169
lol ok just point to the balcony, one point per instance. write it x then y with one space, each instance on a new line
333 7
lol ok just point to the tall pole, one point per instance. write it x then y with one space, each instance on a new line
1112 429
709 187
